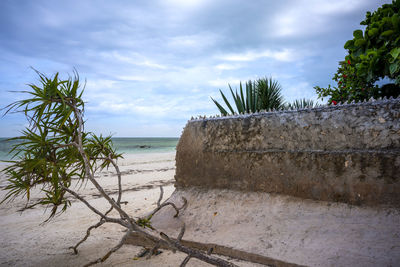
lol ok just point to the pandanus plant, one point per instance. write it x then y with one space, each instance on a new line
55 149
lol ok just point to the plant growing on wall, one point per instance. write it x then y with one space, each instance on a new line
373 54
55 148
262 94
301 103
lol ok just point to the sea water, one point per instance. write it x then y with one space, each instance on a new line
125 145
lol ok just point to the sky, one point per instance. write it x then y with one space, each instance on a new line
152 65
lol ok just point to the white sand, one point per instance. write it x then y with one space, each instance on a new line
25 241
301 231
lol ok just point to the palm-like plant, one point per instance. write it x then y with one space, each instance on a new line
47 155
262 94
301 103
270 96
244 103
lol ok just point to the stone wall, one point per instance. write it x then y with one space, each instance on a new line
348 153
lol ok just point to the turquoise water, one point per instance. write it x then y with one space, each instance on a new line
126 145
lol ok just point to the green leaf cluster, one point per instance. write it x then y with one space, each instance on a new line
373 54
262 94
301 103
144 222
46 155
258 95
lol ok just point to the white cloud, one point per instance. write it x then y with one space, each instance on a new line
134 78
132 59
99 84
294 89
307 17
285 55
185 4
331 7
226 66
224 82
198 41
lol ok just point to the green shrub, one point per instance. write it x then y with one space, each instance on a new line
373 54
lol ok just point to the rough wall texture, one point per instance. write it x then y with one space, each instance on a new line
348 153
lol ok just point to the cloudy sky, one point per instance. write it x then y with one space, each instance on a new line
151 65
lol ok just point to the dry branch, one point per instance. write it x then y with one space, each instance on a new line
105 257
182 232
185 261
153 251
95 226
160 206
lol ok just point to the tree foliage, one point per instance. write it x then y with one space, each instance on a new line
46 155
373 54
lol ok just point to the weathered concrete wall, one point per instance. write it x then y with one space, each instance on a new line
348 153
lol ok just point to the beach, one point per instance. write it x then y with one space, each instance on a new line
27 241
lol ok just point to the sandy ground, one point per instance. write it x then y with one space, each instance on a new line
293 230
26 241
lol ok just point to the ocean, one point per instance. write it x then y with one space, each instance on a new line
126 145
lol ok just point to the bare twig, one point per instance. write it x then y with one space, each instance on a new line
185 261
153 251
161 196
181 233
171 204
105 257
100 223
169 241
142 253
117 170
119 180
107 219
75 248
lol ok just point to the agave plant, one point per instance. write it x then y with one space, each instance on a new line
301 103
269 92
243 104
261 94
